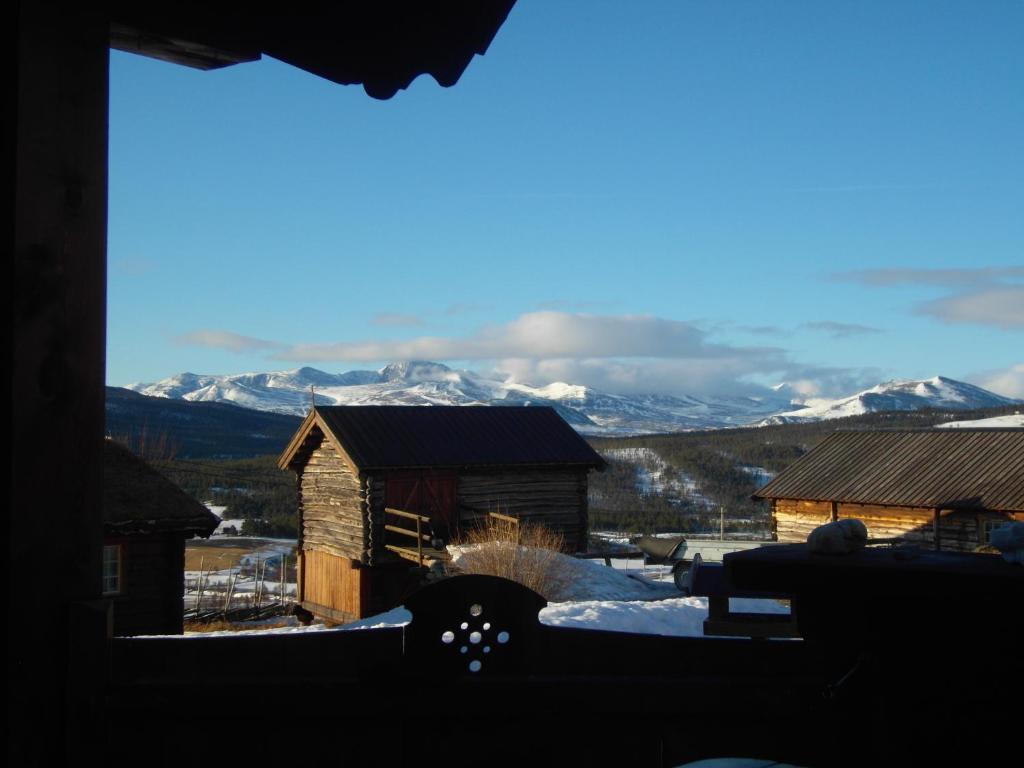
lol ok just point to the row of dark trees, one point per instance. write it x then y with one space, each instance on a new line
254 490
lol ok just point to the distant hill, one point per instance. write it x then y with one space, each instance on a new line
162 428
723 467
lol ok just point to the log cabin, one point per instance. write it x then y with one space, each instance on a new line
385 487
942 488
146 520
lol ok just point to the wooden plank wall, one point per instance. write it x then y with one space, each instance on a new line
332 582
153 580
553 498
959 531
333 503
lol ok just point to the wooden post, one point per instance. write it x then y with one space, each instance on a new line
936 524
419 541
834 510
199 586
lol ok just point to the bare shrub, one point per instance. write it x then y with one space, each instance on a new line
519 551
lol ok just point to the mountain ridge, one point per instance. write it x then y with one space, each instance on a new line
422 382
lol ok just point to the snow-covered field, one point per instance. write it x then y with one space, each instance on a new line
250 578
996 422
627 597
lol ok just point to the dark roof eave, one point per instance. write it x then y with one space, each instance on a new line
880 503
531 465
193 527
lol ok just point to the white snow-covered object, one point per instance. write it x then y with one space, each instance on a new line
839 538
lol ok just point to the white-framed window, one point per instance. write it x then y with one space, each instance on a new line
111 569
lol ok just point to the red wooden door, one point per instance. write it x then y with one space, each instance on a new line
428 493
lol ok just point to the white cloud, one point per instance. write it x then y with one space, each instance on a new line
1002 307
1008 382
233 342
990 296
540 335
840 330
611 353
952 278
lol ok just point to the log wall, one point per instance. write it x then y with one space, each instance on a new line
556 499
958 530
332 506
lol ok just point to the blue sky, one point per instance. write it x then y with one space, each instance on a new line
696 197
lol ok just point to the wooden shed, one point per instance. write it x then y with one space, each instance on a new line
944 488
146 519
446 468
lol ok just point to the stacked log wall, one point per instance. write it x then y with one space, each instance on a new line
959 530
795 518
332 506
374 500
914 524
556 499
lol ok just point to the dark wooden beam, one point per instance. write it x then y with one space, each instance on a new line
58 310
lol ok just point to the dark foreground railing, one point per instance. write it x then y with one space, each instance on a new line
475 679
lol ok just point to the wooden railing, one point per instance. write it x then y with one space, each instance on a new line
504 518
417 534
419 556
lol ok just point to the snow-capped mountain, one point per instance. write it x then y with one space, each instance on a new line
419 382
897 395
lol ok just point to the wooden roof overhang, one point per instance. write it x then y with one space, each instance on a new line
369 438
383 45
138 499
969 469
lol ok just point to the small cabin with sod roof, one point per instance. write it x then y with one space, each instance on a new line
146 520
944 488
383 489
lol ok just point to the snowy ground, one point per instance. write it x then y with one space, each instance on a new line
996 422
259 570
628 597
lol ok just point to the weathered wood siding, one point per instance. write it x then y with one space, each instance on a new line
795 519
958 530
332 506
331 582
556 499
151 601
374 497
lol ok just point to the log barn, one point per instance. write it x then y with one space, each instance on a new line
146 520
944 488
382 489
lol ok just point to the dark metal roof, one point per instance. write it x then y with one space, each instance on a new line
384 45
945 468
396 436
138 499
